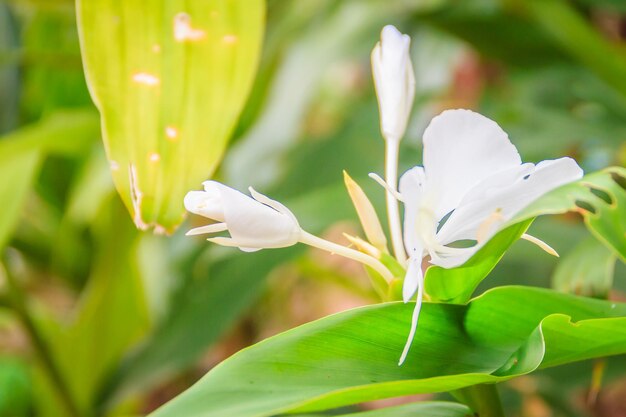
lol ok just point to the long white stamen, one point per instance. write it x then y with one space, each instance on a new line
386 186
543 245
414 319
335 248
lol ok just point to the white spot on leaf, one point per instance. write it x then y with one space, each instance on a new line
183 31
146 79
171 132
230 39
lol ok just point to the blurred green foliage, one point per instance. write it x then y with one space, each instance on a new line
128 319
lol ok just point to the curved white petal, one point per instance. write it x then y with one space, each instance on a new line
413 277
460 225
461 149
227 241
211 228
255 225
488 209
411 190
414 318
206 204
276 205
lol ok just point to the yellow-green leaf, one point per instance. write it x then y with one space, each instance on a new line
170 79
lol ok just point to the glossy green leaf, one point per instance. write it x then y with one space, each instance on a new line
600 197
352 356
456 285
587 270
169 79
421 409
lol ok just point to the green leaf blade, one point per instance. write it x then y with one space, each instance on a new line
352 356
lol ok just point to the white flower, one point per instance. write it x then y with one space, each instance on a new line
254 223
472 182
394 81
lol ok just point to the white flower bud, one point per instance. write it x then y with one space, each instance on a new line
394 81
254 223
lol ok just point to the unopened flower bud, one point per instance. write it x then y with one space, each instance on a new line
394 81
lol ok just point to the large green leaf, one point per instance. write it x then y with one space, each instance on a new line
352 356
601 199
170 79
421 409
456 285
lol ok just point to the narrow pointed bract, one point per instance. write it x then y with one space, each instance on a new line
367 214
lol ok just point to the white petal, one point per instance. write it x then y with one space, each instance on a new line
276 205
226 241
412 278
414 319
211 228
255 225
204 204
411 190
507 201
461 149
460 225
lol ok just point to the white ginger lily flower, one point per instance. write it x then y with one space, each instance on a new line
394 81
473 175
259 222
254 223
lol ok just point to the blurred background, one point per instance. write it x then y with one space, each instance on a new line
99 319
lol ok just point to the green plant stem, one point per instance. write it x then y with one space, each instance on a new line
483 399
18 304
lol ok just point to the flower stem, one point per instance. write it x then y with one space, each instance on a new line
393 212
335 248
17 301
483 399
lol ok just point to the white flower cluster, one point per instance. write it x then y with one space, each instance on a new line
471 183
